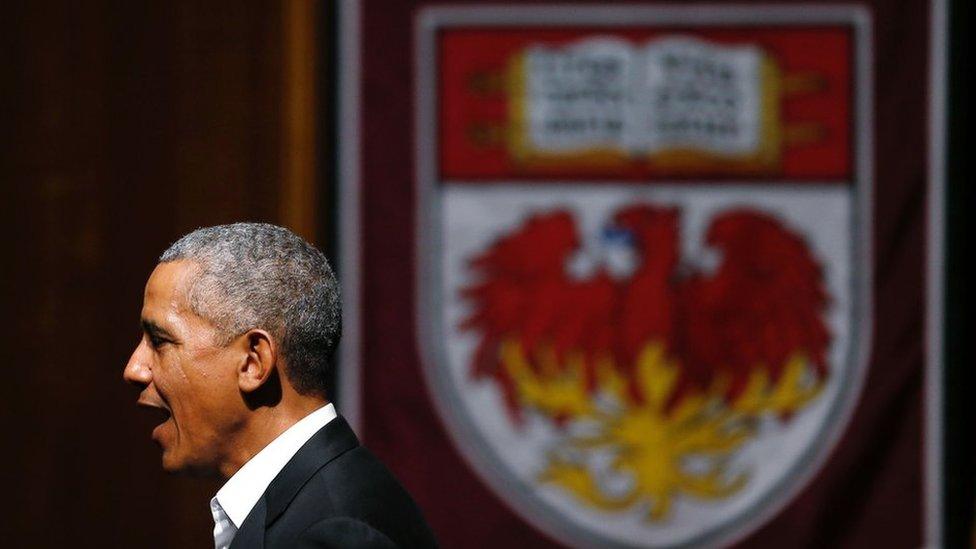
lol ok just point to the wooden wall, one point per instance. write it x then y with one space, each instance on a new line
127 124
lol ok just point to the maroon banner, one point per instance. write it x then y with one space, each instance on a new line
643 275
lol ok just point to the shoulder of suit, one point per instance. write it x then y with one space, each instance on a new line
343 532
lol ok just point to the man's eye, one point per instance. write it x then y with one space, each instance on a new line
157 342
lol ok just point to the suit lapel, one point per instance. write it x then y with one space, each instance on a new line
331 441
251 533
326 444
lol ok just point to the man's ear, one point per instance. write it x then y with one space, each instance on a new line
259 362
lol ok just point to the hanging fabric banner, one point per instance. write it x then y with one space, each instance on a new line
620 273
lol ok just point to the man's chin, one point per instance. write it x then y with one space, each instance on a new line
173 464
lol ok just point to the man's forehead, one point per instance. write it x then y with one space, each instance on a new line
166 303
168 285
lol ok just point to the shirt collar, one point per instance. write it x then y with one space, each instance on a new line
243 490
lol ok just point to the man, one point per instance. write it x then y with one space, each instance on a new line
239 327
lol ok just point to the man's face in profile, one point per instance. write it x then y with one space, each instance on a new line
184 372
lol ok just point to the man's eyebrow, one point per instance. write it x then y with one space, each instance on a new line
155 330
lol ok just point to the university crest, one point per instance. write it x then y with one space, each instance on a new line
643 258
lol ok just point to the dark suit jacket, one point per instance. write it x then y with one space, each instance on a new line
334 493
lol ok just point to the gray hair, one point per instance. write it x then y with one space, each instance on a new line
257 275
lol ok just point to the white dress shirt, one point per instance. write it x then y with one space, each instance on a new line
242 491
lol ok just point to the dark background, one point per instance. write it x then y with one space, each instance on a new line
127 124
960 361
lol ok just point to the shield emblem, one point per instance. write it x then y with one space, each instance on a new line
643 254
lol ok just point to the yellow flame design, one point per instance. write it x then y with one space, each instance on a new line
663 449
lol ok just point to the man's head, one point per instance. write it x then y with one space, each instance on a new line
236 320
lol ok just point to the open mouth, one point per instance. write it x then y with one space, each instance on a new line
163 414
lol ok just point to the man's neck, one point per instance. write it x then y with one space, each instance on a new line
266 424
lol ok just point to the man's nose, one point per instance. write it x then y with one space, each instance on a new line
137 371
